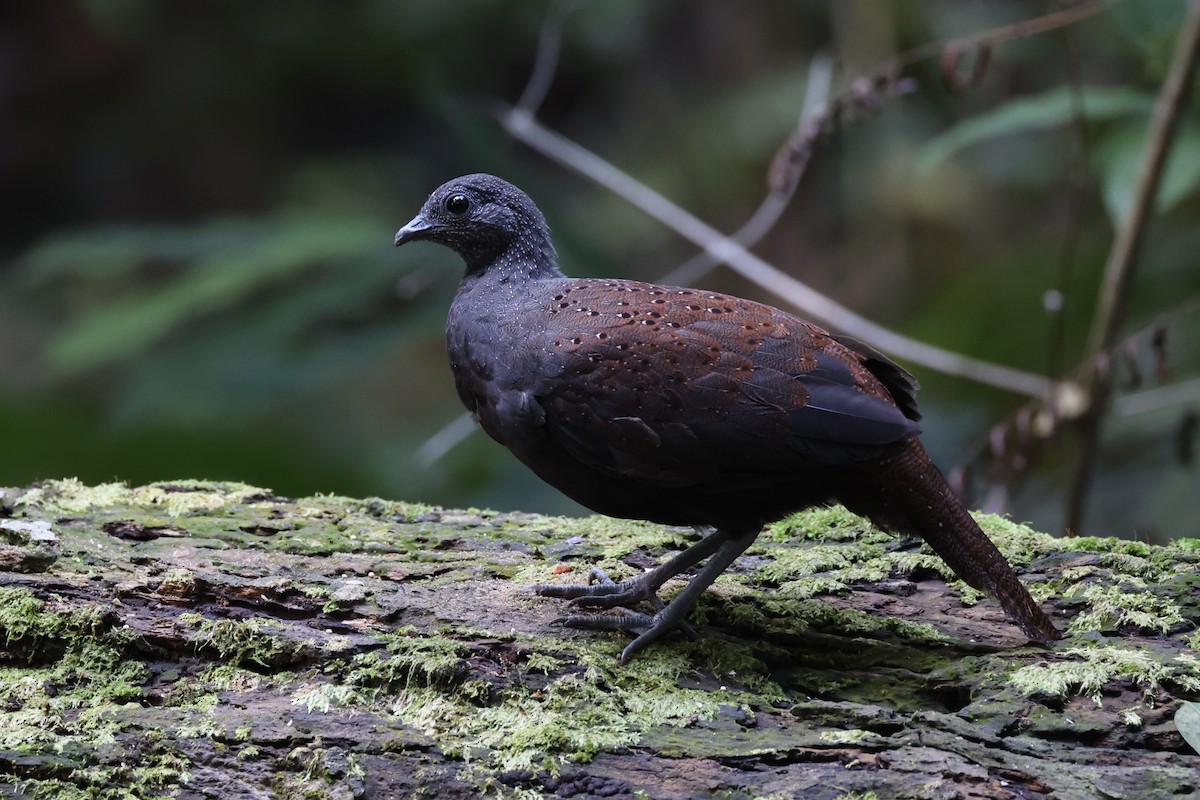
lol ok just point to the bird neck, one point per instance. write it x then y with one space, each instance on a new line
528 256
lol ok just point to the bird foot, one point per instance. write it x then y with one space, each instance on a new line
602 591
719 547
647 628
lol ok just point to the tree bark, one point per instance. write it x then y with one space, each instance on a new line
196 639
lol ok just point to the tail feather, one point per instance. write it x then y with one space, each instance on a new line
912 496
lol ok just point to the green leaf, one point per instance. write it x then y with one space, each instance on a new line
1149 28
1119 157
1187 722
116 252
1039 112
218 281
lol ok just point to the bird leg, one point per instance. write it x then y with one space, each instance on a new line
723 548
597 575
600 577
607 594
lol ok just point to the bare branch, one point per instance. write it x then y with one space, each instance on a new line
820 118
1035 423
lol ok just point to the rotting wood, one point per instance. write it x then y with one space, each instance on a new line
198 639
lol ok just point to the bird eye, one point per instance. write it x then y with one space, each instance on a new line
457 204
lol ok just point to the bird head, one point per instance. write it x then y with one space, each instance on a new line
482 218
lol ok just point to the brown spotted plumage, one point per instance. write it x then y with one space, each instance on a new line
685 407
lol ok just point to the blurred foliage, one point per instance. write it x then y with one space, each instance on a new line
196 271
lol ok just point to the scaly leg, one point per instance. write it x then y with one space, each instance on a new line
607 594
674 615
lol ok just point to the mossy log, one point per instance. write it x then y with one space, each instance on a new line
194 639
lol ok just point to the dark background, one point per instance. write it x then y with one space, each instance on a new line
198 201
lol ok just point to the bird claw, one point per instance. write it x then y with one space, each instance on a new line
625 620
719 548
601 591
647 629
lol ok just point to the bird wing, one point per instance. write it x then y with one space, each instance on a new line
678 386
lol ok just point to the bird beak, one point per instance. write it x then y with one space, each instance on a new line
413 230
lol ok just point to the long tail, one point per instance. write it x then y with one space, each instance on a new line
912 496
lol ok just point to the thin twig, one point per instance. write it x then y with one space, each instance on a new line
445 439
1123 258
1159 398
1018 30
1078 176
545 63
822 309
816 95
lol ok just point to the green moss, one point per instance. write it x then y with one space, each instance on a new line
1099 544
323 697
66 703
67 699
175 498
1139 559
196 695
806 588
1130 604
543 663
799 615
159 774
411 658
245 641
375 507
586 703
830 550
27 625
580 713
791 563
178 583
1019 543
224 677
249 752
71 496
731 660
1088 670
616 538
855 736
832 524
308 774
